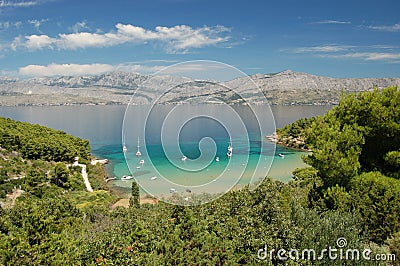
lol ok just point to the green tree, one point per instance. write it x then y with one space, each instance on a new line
134 201
36 232
392 161
362 134
336 149
35 182
377 115
60 175
337 198
377 198
305 177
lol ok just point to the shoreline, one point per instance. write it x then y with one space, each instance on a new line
278 141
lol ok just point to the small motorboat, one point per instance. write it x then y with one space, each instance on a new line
217 159
153 178
124 149
172 190
184 158
281 155
138 167
126 177
141 162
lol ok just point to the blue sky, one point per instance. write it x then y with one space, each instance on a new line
329 38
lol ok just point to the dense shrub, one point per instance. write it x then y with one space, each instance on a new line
377 198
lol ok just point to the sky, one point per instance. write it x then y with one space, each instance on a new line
328 38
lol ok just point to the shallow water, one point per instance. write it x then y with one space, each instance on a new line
102 125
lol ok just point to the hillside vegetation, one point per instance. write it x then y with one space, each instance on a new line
351 190
355 159
39 142
35 158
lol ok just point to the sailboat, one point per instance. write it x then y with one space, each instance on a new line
230 149
138 153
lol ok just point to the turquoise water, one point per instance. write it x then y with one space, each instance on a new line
102 125
281 169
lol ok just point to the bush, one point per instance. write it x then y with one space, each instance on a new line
337 198
394 244
377 197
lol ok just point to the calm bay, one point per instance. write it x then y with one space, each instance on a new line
102 126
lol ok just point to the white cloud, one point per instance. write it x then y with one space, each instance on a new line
79 26
7 25
37 23
18 41
18 24
387 53
332 22
64 69
391 28
142 69
175 39
158 61
5 3
322 48
80 40
385 46
370 56
85 69
37 42
95 69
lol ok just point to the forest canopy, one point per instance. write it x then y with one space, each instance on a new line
355 159
40 142
351 190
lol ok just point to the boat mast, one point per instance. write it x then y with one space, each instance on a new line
138 153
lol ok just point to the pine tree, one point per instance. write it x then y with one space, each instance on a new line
134 201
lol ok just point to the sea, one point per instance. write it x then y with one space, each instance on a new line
183 148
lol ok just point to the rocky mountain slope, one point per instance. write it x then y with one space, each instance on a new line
286 88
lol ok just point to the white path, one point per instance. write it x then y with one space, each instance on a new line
84 175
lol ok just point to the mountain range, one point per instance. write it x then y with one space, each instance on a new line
283 88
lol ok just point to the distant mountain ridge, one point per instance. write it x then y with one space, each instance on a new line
289 87
284 88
